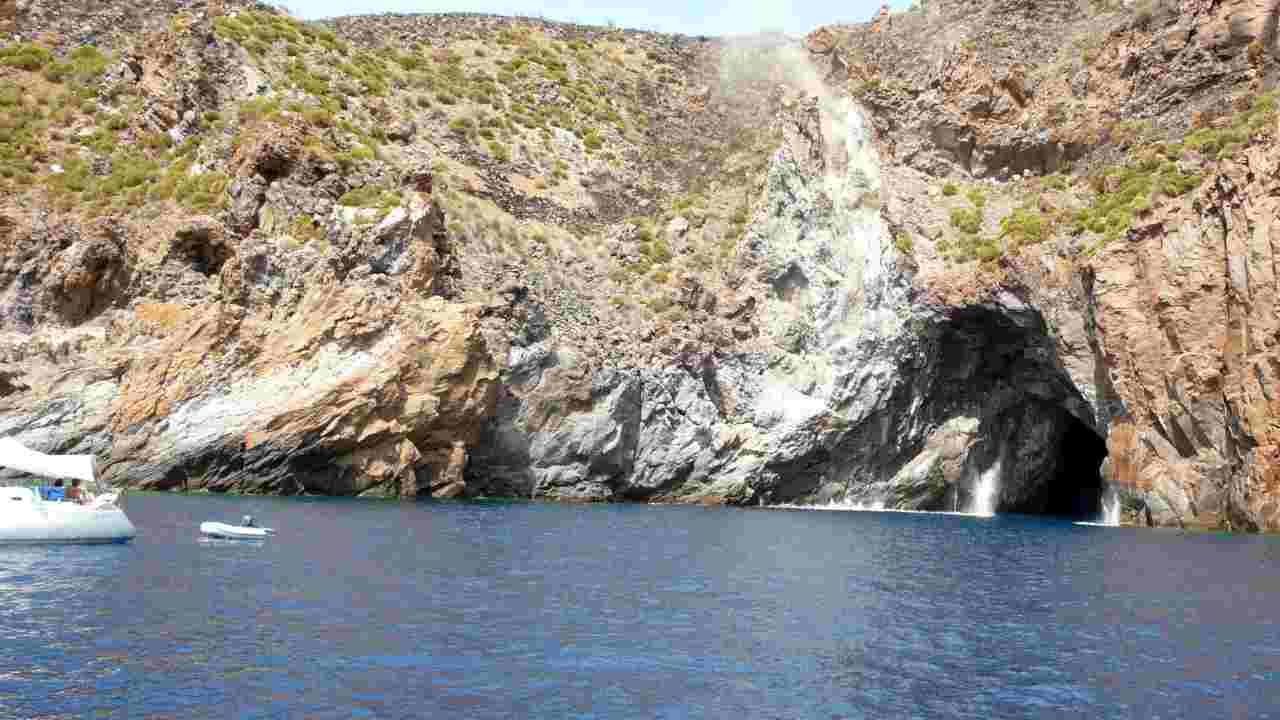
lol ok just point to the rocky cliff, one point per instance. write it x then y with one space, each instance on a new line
469 255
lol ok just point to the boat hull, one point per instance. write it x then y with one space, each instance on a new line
25 520
234 532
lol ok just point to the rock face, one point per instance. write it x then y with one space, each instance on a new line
920 263
566 432
994 89
1188 315
878 397
353 387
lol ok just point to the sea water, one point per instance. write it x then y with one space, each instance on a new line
373 609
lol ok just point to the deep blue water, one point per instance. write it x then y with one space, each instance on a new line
451 610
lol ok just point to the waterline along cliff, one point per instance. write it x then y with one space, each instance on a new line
986 255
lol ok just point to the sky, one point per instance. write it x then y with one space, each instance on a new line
690 17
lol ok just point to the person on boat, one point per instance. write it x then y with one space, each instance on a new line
74 493
56 492
248 521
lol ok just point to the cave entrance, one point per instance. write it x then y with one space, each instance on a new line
1002 365
1074 489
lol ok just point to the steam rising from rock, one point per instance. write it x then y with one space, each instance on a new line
779 67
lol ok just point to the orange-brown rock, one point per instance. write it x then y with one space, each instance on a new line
1188 317
387 388
269 149
387 468
821 41
8 15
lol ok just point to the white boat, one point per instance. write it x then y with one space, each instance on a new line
27 517
234 532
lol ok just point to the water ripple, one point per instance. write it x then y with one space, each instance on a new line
495 610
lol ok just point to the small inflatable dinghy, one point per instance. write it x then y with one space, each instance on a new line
247 531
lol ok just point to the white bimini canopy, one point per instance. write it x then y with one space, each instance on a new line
15 456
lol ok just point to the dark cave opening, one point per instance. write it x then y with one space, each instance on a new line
1002 365
1075 489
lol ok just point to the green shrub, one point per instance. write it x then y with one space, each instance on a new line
130 170
1055 181
229 28
1024 226
1211 141
902 243
76 176
1135 186
304 229
88 63
57 71
318 117
967 220
370 196
800 333
305 80
1222 142
977 197
356 155
188 146
410 62
950 189
27 56
657 251
1176 183
156 140
971 247
259 108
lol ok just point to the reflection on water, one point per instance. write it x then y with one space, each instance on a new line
455 610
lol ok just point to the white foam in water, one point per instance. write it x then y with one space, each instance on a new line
986 493
1110 510
845 505
864 506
